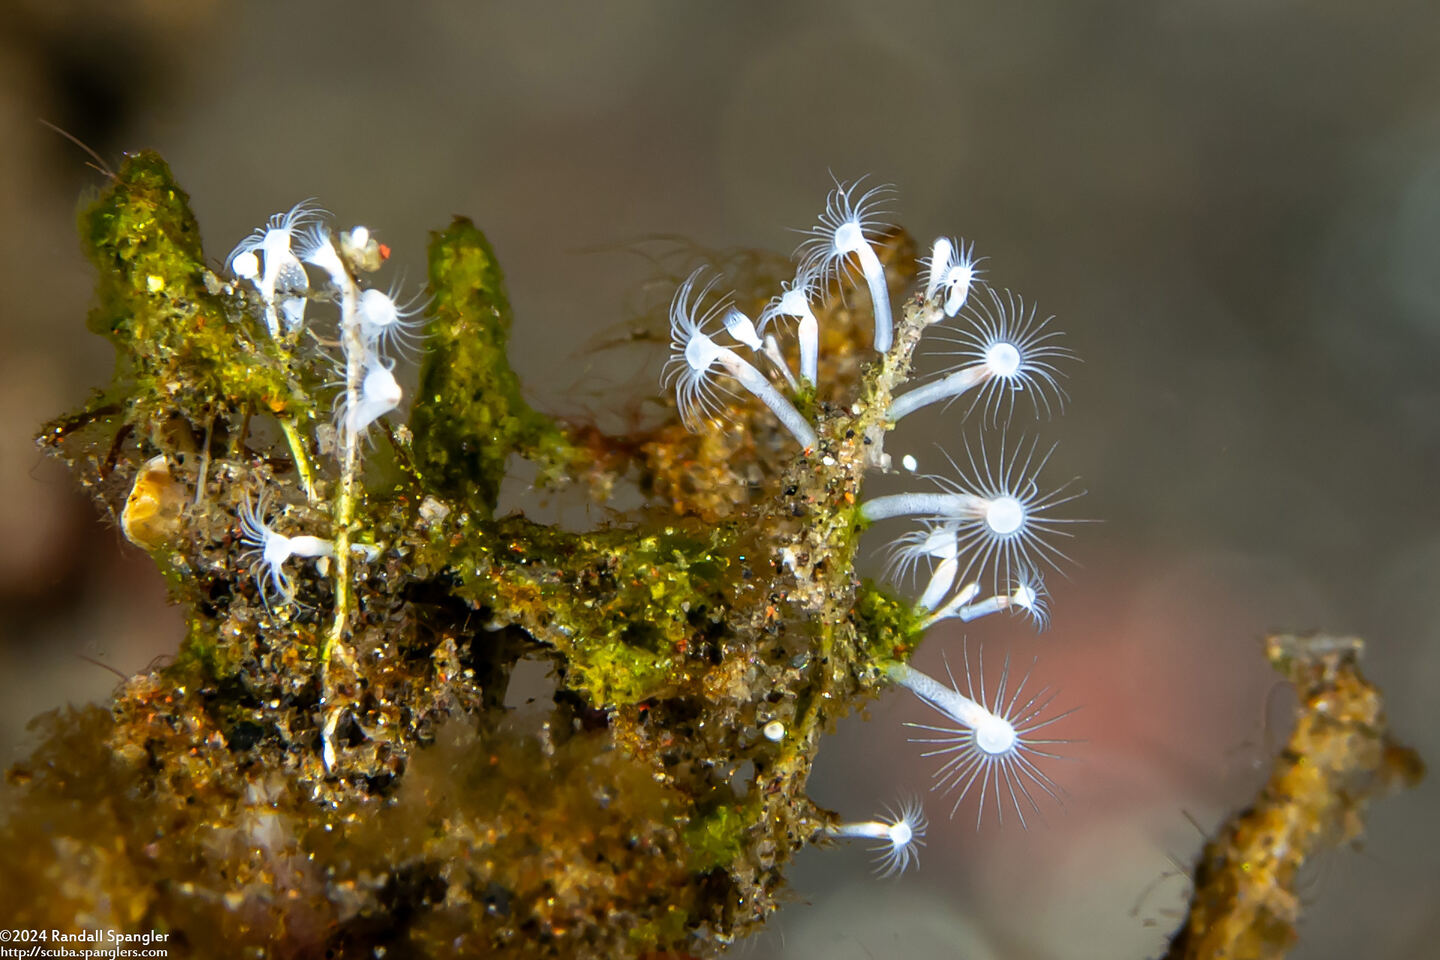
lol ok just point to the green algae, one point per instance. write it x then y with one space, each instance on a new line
717 839
181 349
472 416
891 626
621 606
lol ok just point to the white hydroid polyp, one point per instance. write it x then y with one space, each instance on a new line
281 274
379 394
901 833
317 247
953 268
278 232
695 359
384 321
1027 596
794 301
1004 350
941 542
739 326
841 233
773 354
936 266
934 541
1002 517
995 746
270 550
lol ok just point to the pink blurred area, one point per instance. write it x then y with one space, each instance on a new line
1233 209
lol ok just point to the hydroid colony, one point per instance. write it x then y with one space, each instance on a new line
995 522
329 766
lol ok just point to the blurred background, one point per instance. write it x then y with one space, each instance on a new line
1232 208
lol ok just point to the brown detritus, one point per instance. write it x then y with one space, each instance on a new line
1339 757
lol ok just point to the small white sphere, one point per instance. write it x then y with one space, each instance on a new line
247 265
774 731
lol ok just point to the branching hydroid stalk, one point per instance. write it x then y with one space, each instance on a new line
941 580
729 548
952 703
281 273
772 350
948 387
321 252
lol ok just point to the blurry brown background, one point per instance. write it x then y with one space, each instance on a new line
1233 208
